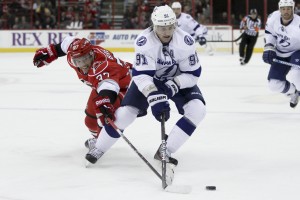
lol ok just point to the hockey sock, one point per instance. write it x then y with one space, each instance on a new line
179 134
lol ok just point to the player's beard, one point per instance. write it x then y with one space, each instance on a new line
287 16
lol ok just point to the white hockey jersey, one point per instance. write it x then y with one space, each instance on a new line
163 62
285 38
188 24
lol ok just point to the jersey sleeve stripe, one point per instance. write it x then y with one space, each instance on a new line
198 26
196 73
145 72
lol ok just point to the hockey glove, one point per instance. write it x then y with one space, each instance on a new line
171 88
104 109
159 104
269 53
202 40
45 56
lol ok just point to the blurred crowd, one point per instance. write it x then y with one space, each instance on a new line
137 13
100 14
88 14
51 14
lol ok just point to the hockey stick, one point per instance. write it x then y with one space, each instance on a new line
235 40
133 147
285 63
169 188
163 152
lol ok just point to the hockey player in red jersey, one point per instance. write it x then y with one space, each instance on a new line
108 76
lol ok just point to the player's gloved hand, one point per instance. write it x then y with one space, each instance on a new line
45 56
202 40
171 88
269 53
159 104
104 109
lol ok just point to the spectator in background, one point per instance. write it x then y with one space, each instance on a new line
15 7
234 22
70 14
222 18
24 23
88 21
7 20
20 23
130 18
76 23
49 21
104 25
25 4
92 7
16 24
64 21
37 24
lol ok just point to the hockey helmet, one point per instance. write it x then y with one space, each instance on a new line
81 54
176 4
163 16
286 3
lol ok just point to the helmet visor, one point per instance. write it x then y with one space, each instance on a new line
83 62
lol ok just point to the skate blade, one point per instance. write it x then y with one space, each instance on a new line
180 189
169 171
170 174
88 164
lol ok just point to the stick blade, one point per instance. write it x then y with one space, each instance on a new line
180 189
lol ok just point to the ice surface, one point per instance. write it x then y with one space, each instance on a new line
247 146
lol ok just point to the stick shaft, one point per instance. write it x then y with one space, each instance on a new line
133 147
163 152
285 63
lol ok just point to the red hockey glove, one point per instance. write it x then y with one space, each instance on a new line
45 56
104 109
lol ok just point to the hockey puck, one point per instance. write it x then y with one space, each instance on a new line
211 187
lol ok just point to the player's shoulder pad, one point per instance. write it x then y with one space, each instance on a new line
185 15
274 15
296 16
183 39
144 38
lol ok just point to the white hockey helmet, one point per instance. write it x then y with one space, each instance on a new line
176 4
163 16
286 3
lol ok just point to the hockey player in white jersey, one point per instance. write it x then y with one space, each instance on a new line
187 23
283 43
166 67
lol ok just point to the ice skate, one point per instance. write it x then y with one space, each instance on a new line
93 155
90 143
242 61
294 99
169 159
171 164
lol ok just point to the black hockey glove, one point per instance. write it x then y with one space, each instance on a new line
159 104
269 53
202 40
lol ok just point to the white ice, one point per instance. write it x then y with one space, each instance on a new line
248 146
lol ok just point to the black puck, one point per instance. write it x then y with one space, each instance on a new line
211 187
